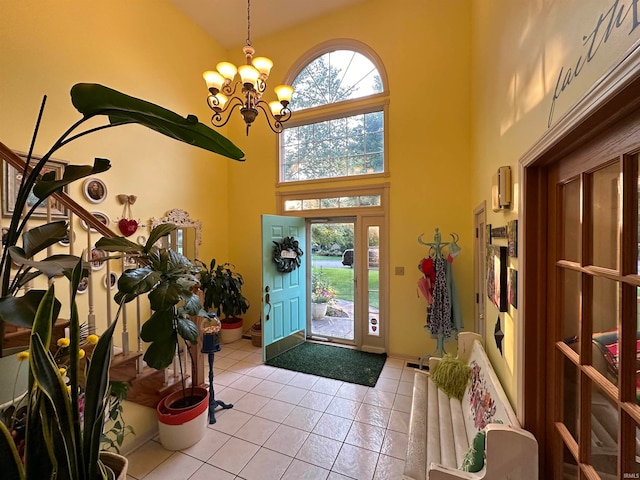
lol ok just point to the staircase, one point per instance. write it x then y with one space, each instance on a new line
146 385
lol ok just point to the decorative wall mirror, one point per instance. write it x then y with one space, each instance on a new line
188 236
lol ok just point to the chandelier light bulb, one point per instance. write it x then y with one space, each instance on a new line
276 108
227 70
263 65
222 100
214 81
248 75
284 93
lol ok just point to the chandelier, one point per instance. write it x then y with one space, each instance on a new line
223 99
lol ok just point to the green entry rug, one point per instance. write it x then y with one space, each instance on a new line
327 361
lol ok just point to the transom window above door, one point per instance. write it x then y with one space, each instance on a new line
340 114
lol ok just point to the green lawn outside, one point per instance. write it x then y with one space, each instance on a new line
342 280
315 257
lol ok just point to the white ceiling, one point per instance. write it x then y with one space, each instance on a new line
226 20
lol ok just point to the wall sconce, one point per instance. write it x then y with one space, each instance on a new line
501 189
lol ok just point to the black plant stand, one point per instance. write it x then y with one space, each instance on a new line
210 346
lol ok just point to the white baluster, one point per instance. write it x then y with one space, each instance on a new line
125 333
91 317
138 329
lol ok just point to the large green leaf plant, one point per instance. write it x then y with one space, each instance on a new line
169 279
91 100
58 444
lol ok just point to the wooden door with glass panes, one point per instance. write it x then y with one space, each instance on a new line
592 315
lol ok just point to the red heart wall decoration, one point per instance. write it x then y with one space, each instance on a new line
128 227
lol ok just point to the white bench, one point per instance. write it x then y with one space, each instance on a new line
442 428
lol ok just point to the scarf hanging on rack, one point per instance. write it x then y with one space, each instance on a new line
440 311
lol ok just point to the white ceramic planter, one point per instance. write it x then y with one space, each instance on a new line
184 429
231 332
318 311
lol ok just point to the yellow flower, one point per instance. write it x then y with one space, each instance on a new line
92 339
69 389
62 371
81 353
22 356
63 342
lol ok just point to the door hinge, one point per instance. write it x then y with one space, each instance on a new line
477 298
477 232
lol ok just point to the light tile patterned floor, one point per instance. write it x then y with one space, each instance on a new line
291 426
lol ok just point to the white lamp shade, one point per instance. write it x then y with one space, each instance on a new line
263 65
276 108
284 92
248 74
222 100
227 70
213 79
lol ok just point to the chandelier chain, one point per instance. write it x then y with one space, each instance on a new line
249 22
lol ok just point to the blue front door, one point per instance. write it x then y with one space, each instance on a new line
283 293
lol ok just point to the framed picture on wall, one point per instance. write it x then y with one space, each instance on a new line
110 281
512 287
94 189
83 285
497 276
102 218
11 179
97 259
512 238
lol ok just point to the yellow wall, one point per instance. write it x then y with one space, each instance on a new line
129 46
144 48
519 50
486 76
427 58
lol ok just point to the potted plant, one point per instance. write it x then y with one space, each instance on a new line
59 440
222 289
169 280
322 293
91 100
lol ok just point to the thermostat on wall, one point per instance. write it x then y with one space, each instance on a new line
501 189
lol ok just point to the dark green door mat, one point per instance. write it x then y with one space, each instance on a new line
340 363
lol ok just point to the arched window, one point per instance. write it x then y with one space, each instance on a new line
338 128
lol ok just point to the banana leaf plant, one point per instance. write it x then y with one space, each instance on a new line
91 100
59 443
168 278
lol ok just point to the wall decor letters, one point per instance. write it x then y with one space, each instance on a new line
618 14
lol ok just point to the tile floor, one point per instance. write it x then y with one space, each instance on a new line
291 426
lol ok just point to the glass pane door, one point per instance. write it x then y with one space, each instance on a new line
596 326
333 264
372 272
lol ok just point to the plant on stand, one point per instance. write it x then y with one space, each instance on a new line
170 281
63 422
222 289
322 294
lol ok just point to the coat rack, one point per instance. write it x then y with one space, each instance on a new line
438 287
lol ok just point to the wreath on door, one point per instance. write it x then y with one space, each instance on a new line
286 254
